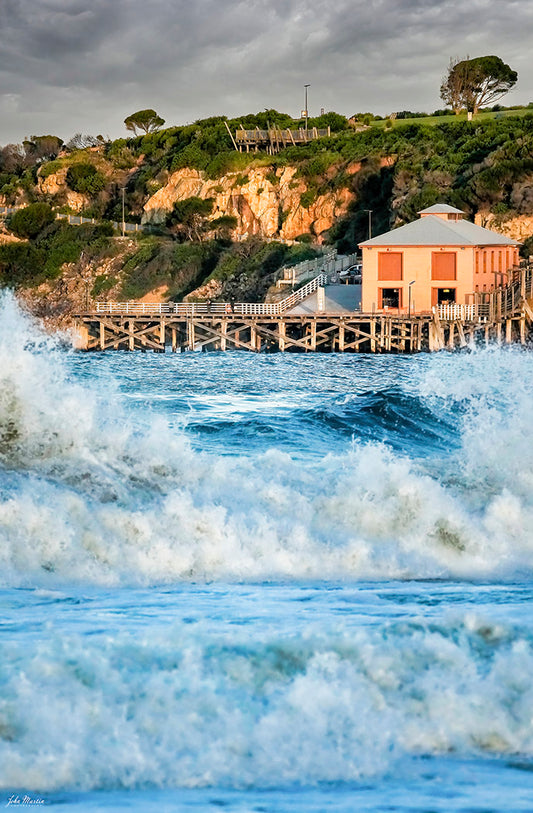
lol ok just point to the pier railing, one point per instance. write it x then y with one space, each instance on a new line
203 308
507 299
277 137
464 313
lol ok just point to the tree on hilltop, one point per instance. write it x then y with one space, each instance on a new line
147 121
474 83
43 148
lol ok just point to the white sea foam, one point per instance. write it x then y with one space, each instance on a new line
87 497
179 708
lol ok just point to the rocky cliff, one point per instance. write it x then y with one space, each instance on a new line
265 203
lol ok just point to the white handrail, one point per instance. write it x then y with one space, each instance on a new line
192 308
453 312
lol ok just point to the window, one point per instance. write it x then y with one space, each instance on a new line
389 298
443 296
390 265
443 265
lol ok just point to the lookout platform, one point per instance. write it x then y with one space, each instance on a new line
274 139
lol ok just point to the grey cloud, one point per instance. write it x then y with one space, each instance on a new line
67 65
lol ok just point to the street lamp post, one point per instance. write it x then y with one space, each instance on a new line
123 218
410 286
369 222
306 110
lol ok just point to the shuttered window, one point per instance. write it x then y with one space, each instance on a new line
443 265
390 265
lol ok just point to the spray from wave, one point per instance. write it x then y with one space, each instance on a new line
88 496
181 708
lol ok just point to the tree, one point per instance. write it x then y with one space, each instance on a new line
224 225
147 121
474 83
454 84
83 141
31 220
43 148
13 158
188 217
85 178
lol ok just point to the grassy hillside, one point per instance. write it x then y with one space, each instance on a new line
393 169
431 121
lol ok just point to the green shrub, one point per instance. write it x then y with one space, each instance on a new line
159 262
20 264
307 198
50 168
31 220
192 157
85 178
62 243
226 162
102 284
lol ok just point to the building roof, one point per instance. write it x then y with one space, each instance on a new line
434 231
442 209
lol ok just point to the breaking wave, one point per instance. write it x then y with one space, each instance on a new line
91 493
181 708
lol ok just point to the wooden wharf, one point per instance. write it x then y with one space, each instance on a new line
504 315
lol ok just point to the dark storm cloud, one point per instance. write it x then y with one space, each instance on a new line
67 65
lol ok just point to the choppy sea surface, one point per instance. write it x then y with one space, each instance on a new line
237 582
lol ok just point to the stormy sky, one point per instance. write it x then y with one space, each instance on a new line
69 66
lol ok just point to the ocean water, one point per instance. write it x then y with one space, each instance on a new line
236 582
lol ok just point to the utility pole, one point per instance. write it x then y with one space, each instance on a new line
306 110
123 218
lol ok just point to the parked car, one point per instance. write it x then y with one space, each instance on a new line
352 275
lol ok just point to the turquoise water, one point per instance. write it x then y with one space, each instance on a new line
264 582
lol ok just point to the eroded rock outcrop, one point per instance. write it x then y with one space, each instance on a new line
265 203
56 184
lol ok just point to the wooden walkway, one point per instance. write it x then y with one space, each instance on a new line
295 333
503 315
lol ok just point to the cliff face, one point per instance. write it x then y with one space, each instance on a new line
265 203
56 184
517 228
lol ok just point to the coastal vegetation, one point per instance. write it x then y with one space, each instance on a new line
483 166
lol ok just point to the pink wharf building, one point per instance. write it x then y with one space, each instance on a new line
438 259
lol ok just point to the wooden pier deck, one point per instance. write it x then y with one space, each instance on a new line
503 315
285 333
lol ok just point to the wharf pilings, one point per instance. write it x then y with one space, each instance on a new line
343 333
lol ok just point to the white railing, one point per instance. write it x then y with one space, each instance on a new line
463 313
330 263
201 308
302 293
78 220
